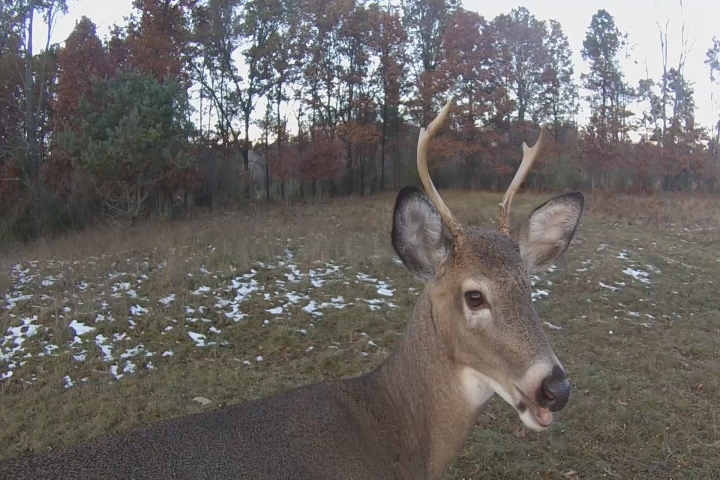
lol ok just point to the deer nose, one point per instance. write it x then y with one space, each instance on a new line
555 390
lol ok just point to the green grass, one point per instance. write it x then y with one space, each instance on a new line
645 399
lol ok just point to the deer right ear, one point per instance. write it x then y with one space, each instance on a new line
545 236
418 235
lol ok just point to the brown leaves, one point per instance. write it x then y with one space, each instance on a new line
283 162
82 59
157 42
11 186
322 158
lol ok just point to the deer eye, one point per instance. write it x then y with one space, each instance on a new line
474 299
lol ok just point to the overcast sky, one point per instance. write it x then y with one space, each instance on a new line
638 18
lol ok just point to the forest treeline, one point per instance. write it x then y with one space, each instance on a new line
159 115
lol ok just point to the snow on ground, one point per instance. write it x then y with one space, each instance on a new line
116 320
92 319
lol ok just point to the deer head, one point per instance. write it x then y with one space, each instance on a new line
478 282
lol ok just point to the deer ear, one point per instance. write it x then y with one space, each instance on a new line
418 235
545 236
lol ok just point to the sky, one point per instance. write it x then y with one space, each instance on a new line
638 18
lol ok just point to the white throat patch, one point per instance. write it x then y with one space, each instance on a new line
475 387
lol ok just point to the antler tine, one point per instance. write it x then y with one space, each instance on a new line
423 141
529 156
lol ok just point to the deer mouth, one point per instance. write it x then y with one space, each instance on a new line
543 416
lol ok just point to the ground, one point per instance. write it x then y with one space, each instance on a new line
110 329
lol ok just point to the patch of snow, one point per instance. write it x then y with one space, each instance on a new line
132 352
114 372
201 290
49 349
80 328
609 287
101 342
363 277
311 308
293 297
129 368
137 310
539 294
637 275
198 338
168 300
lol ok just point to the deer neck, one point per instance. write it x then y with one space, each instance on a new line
435 400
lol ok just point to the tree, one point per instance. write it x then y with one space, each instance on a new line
388 42
215 38
605 82
357 113
223 28
669 116
713 63
426 21
11 97
522 60
468 48
133 135
559 98
20 15
283 48
80 61
158 39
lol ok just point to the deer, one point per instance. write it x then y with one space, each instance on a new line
473 333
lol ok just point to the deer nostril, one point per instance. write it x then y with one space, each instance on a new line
555 390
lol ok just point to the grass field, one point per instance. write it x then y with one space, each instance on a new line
107 330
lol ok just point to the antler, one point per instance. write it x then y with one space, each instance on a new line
432 193
529 156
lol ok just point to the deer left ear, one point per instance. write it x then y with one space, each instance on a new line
418 235
545 236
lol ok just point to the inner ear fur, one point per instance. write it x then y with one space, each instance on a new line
419 237
546 234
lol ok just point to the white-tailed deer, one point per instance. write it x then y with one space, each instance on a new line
473 333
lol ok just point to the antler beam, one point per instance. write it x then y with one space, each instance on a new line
529 157
432 193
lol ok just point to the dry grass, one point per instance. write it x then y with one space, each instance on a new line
646 396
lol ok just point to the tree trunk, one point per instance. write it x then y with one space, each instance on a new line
246 155
382 145
30 127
